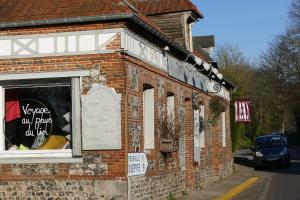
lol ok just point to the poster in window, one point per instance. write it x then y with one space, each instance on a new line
36 123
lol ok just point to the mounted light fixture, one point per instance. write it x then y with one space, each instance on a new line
220 76
198 61
166 48
206 66
215 71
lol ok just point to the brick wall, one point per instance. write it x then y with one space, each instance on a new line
216 161
167 172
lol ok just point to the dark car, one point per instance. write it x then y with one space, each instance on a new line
271 149
283 135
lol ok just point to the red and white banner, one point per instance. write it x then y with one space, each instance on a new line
242 110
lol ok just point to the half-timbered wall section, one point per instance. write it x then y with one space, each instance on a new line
141 49
58 44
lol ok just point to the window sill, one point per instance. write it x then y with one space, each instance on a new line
33 160
36 156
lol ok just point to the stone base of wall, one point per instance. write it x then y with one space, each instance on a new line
157 187
226 170
206 177
63 190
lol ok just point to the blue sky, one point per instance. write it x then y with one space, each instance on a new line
249 24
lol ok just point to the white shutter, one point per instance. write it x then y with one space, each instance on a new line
148 118
76 118
196 136
223 129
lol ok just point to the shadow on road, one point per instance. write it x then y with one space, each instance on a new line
244 157
243 161
293 170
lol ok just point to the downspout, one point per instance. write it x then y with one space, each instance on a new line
126 124
126 137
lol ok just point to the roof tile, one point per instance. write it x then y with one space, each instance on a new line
153 7
27 10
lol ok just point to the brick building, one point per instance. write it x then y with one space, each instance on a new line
89 87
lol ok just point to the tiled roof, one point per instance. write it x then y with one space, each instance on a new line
41 10
27 10
152 7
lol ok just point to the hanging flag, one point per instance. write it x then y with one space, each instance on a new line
242 110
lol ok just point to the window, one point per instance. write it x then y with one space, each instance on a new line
170 111
41 117
37 117
199 127
148 111
223 129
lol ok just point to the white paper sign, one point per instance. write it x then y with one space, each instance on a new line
101 109
137 164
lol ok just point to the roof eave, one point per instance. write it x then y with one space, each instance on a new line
70 20
121 16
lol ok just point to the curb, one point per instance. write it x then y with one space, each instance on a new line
238 189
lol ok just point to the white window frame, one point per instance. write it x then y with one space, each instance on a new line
46 156
223 128
148 118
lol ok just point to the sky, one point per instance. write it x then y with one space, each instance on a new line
249 24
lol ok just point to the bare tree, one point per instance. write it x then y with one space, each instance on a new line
236 67
294 13
281 72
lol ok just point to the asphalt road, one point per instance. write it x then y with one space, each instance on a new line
275 183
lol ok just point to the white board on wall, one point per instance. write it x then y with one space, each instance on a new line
101 119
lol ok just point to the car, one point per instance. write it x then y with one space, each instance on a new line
285 137
270 149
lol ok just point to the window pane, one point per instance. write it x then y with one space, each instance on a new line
37 118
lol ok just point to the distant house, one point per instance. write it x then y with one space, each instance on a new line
106 100
206 43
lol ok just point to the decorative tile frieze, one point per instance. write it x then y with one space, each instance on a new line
57 44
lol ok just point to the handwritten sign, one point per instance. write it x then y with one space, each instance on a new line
36 123
137 164
101 119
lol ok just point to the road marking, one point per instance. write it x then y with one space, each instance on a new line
266 188
238 189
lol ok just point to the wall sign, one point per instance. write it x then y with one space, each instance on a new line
101 118
143 50
137 164
186 73
36 123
